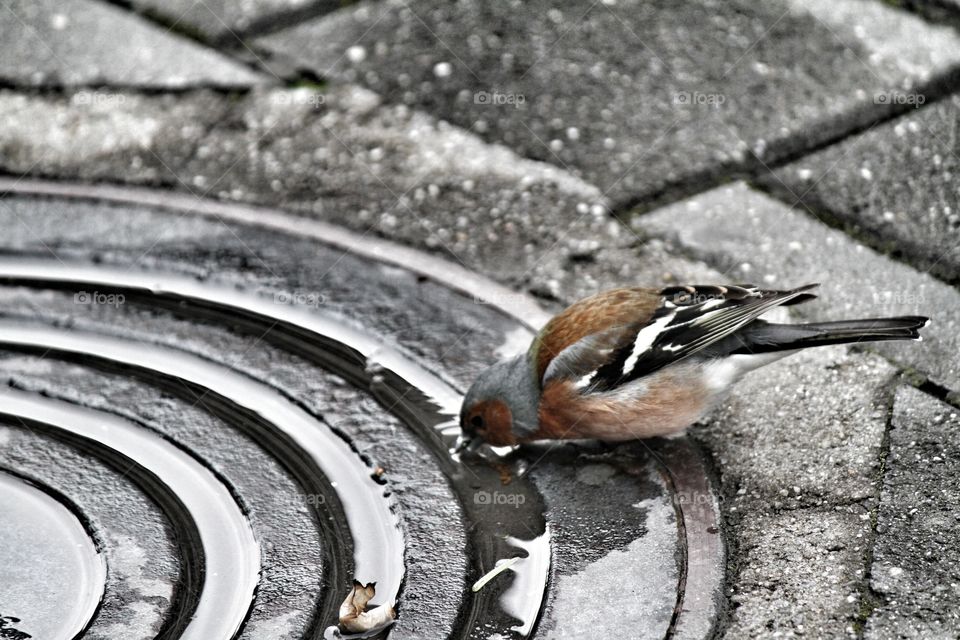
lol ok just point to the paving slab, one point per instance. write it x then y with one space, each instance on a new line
916 563
636 97
227 20
800 574
753 237
342 156
894 186
81 42
102 134
797 447
803 432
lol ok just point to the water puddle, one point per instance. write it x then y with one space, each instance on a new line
226 577
55 594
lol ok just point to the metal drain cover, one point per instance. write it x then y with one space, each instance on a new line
215 418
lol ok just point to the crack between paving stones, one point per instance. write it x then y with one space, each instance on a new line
67 90
870 599
182 29
813 206
934 12
860 118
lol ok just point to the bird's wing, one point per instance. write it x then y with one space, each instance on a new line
685 320
600 324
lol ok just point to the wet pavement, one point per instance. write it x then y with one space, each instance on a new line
254 252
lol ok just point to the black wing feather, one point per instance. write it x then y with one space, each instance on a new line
691 318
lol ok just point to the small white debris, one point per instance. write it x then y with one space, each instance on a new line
866 174
356 54
59 21
573 133
442 69
500 567
804 174
556 145
895 571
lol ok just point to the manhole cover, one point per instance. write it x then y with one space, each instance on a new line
217 417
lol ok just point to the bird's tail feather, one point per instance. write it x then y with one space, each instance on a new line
762 337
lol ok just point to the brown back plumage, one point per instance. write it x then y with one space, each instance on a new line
624 307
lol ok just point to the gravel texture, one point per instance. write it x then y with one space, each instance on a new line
636 97
894 186
915 574
82 42
797 446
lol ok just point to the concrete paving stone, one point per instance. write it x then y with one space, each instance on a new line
799 574
343 157
224 20
894 186
797 447
916 562
399 173
104 134
637 97
81 42
753 237
803 432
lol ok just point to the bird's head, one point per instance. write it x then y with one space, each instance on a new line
500 407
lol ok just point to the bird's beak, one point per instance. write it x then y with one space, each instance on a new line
468 443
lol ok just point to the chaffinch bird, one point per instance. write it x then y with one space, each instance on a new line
635 363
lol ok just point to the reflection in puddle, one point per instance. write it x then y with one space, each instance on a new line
51 574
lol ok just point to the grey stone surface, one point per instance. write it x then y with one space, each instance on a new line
224 20
634 96
916 563
805 431
797 446
894 186
343 157
800 574
104 134
752 237
83 42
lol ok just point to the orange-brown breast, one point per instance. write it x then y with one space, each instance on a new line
591 315
663 403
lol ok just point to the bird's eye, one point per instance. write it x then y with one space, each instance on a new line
477 422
